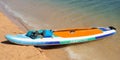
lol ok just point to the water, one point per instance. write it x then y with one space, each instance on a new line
57 14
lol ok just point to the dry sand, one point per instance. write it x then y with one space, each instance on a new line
9 51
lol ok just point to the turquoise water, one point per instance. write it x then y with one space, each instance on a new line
57 14
72 13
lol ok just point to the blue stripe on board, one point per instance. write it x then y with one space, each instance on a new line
46 43
104 35
56 42
103 29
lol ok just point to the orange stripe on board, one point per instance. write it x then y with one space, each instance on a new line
76 33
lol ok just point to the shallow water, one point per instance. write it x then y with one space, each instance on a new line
42 14
57 14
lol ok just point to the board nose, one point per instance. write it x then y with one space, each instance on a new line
111 27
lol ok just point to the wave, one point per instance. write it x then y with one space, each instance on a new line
14 14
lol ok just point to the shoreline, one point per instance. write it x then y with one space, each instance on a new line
109 46
20 16
25 27
11 51
16 20
52 54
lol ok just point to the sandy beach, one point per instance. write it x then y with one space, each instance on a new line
103 49
9 51
42 14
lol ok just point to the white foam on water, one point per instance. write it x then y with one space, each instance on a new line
14 13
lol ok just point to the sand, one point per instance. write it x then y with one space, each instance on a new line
9 51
